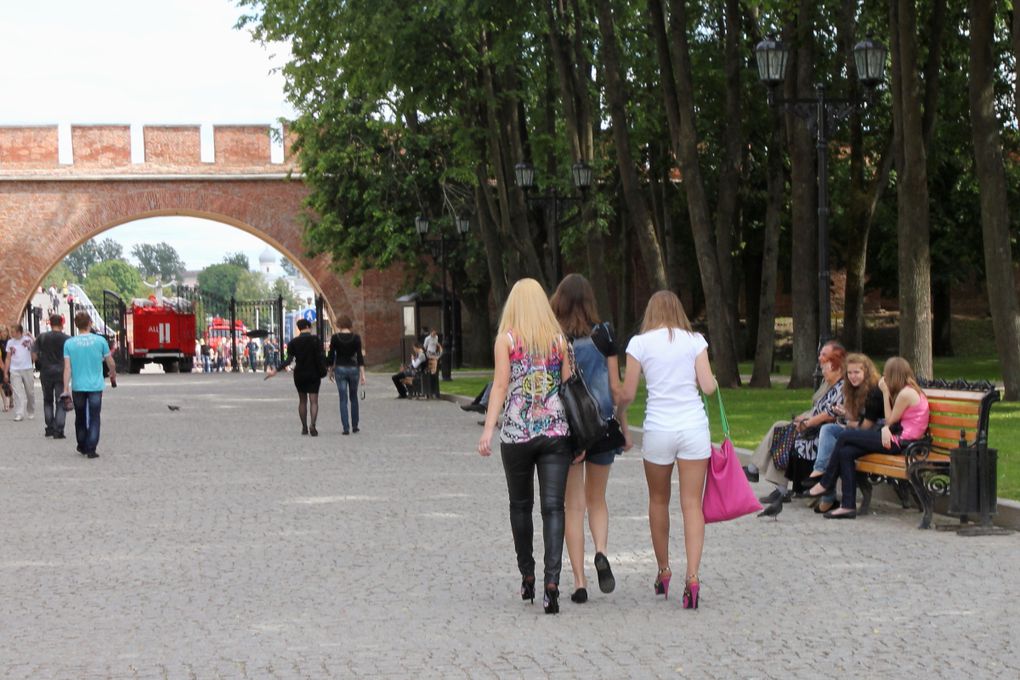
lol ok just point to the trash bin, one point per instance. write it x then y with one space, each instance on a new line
972 490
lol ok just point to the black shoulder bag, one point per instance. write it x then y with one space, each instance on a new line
587 426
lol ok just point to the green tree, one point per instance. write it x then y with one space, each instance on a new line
116 275
288 267
159 261
220 279
90 253
59 275
252 286
282 289
238 259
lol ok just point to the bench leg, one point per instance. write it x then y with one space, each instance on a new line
864 484
923 495
903 492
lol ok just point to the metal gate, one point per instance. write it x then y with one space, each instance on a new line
114 314
229 326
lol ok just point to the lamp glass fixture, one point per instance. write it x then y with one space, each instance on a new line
463 225
421 225
870 56
582 175
772 57
525 175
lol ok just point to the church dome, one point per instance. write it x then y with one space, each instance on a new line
267 256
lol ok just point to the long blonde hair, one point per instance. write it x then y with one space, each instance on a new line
529 318
664 310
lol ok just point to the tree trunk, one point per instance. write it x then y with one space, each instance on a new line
804 207
1016 58
640 219
764 352
728 201
991 174
674 61
914 257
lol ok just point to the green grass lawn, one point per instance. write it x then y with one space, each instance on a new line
752 411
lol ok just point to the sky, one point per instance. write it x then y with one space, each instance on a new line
142 61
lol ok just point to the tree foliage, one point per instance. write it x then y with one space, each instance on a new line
116 275
409 109
159 261
91 253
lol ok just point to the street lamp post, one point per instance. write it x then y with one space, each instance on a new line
818 112
437 249
581 173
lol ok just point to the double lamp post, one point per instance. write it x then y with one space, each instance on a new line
439 248
819 112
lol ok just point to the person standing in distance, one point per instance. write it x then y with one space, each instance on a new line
19 372
84 355
49 352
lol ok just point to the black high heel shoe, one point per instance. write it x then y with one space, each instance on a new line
528 588
552 601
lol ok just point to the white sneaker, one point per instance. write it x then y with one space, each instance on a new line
18 418
31 416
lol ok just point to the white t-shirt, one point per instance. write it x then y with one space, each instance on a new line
20 352
674 403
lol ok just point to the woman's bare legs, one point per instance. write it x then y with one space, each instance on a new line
692 484
659 478
574 506
596 478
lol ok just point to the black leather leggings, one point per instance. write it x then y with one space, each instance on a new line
552 456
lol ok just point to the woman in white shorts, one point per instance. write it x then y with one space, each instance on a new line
674 361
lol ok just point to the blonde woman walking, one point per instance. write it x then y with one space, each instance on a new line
529 369
674 361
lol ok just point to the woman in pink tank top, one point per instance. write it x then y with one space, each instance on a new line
906 420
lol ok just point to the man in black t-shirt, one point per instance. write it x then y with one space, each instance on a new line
49 352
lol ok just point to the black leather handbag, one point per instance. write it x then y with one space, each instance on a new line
587 426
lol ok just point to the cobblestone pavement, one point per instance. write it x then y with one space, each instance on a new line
215 542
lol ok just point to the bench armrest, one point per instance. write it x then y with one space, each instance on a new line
917 451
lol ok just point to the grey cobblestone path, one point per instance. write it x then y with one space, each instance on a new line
215 542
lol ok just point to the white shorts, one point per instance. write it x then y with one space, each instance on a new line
663 448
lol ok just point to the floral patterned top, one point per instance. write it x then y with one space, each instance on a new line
533 407
833 397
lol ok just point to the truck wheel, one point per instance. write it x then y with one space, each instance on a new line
187 365
172 366
135 366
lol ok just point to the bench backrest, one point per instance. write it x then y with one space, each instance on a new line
959 410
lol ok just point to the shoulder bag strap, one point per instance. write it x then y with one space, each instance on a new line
722 411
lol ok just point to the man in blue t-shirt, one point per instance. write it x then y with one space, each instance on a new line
84 355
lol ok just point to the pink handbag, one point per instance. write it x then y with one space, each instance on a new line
728 494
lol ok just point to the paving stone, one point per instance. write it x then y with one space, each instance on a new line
216 542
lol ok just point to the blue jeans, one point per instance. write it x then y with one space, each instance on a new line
347 386
87 407
850 446
827 436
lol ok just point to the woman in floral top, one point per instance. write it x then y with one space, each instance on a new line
528 355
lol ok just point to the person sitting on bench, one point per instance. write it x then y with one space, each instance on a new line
408 370
481 402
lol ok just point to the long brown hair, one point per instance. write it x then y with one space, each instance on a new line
573 303
898 374
664 310
855 397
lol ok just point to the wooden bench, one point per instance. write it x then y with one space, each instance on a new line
959 417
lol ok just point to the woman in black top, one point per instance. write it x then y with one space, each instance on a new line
348 363
310 365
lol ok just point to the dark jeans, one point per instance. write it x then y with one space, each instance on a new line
552 457
398 382
347 386
851 445
53 410
87 407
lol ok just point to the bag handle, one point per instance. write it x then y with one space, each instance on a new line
722 411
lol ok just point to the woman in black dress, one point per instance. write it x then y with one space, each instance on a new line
310 364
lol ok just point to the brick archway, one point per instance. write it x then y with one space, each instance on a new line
47 209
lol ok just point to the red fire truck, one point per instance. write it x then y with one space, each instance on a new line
162 333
